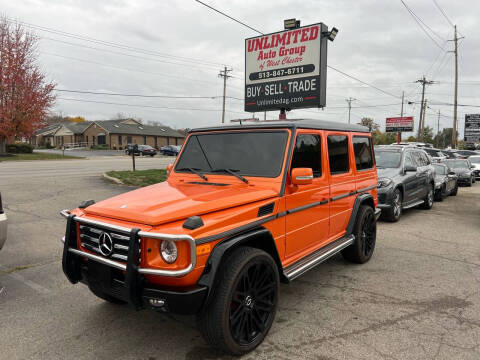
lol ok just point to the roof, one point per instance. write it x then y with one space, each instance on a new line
119 127
293 124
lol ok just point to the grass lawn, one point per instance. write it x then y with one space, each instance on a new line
37 156
140 177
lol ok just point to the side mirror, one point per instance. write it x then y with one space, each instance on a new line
410 168
451 173
302 176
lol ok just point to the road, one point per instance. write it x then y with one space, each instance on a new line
418 297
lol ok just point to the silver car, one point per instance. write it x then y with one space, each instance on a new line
3 224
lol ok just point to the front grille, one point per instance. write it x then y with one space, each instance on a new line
90 240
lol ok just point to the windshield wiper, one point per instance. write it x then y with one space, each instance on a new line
195 171
232 172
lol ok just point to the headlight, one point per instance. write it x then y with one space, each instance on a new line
169 251
384 182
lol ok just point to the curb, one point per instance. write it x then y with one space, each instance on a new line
112 179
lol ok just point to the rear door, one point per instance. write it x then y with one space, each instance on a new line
365 176
342 181
410 178
307 222
422 173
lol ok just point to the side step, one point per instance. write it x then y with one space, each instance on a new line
413 205
303 265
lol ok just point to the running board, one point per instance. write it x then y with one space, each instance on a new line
303 265
413 205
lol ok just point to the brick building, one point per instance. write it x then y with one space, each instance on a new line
115 134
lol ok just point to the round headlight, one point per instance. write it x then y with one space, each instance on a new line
169 251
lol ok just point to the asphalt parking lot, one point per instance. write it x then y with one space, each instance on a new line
418 298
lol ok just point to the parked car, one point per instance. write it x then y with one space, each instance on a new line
436 155
140 150
170 150
467 153
406 178
3 224
244 207
445 182
463 169
475 161
452 154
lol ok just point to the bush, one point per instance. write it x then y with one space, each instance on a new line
48 145
20 148
99 147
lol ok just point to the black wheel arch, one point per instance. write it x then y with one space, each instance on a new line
259 238
362 199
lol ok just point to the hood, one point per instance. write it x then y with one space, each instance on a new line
461 171
163 203
387 172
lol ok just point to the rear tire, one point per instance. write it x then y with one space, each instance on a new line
244 302
365 232
455 190
428 200
470 183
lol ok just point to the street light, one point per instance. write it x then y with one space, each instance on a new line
331 34
289 24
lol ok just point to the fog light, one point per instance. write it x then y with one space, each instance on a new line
157 302
169 251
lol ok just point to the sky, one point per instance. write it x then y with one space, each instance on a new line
177 48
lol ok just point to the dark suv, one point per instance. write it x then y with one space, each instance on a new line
406 178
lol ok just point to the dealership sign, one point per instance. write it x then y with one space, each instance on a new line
286 70
399 124
472 128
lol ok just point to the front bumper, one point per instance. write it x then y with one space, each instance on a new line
3 229
126 281
385 197
464 180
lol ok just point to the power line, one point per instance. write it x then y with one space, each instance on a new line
231 18
111 44
145 96
146 106
443 12
419 21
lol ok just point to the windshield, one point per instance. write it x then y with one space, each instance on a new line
387 159
458 164
474 159
440 170
246 153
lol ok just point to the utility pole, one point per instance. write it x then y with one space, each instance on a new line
454 130
349 101
438 123
399 134
424 82
423 118
224 73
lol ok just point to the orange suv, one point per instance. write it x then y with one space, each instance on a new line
244 208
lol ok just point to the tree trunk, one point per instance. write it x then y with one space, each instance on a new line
3 146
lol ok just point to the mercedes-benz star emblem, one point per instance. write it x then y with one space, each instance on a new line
105 244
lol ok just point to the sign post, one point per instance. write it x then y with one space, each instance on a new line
472 128
287 69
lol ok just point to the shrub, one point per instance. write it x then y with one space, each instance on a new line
99 147
20 148
48 145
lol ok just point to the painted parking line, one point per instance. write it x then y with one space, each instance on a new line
31 284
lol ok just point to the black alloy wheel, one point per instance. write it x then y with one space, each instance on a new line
244 302
395 211
365 232
428 200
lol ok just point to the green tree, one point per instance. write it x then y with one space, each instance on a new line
411 138
428 135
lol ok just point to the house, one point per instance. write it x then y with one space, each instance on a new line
115 134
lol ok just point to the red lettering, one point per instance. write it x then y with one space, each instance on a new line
258 44
296 33
313 33
250 45
304 34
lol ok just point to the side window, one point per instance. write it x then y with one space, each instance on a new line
307 153
425 159
338 154
408 160
417 158
363 152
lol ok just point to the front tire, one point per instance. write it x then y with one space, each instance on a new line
365 232
244 302
455 190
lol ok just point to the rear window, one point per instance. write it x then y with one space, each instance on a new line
363 152
338 154
307 153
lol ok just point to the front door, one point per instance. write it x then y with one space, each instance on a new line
307 221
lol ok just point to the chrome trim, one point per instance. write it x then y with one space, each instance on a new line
120 247
141 234
319 259
99 259
90 238
305 177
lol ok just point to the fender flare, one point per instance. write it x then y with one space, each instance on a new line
219 252
359 200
